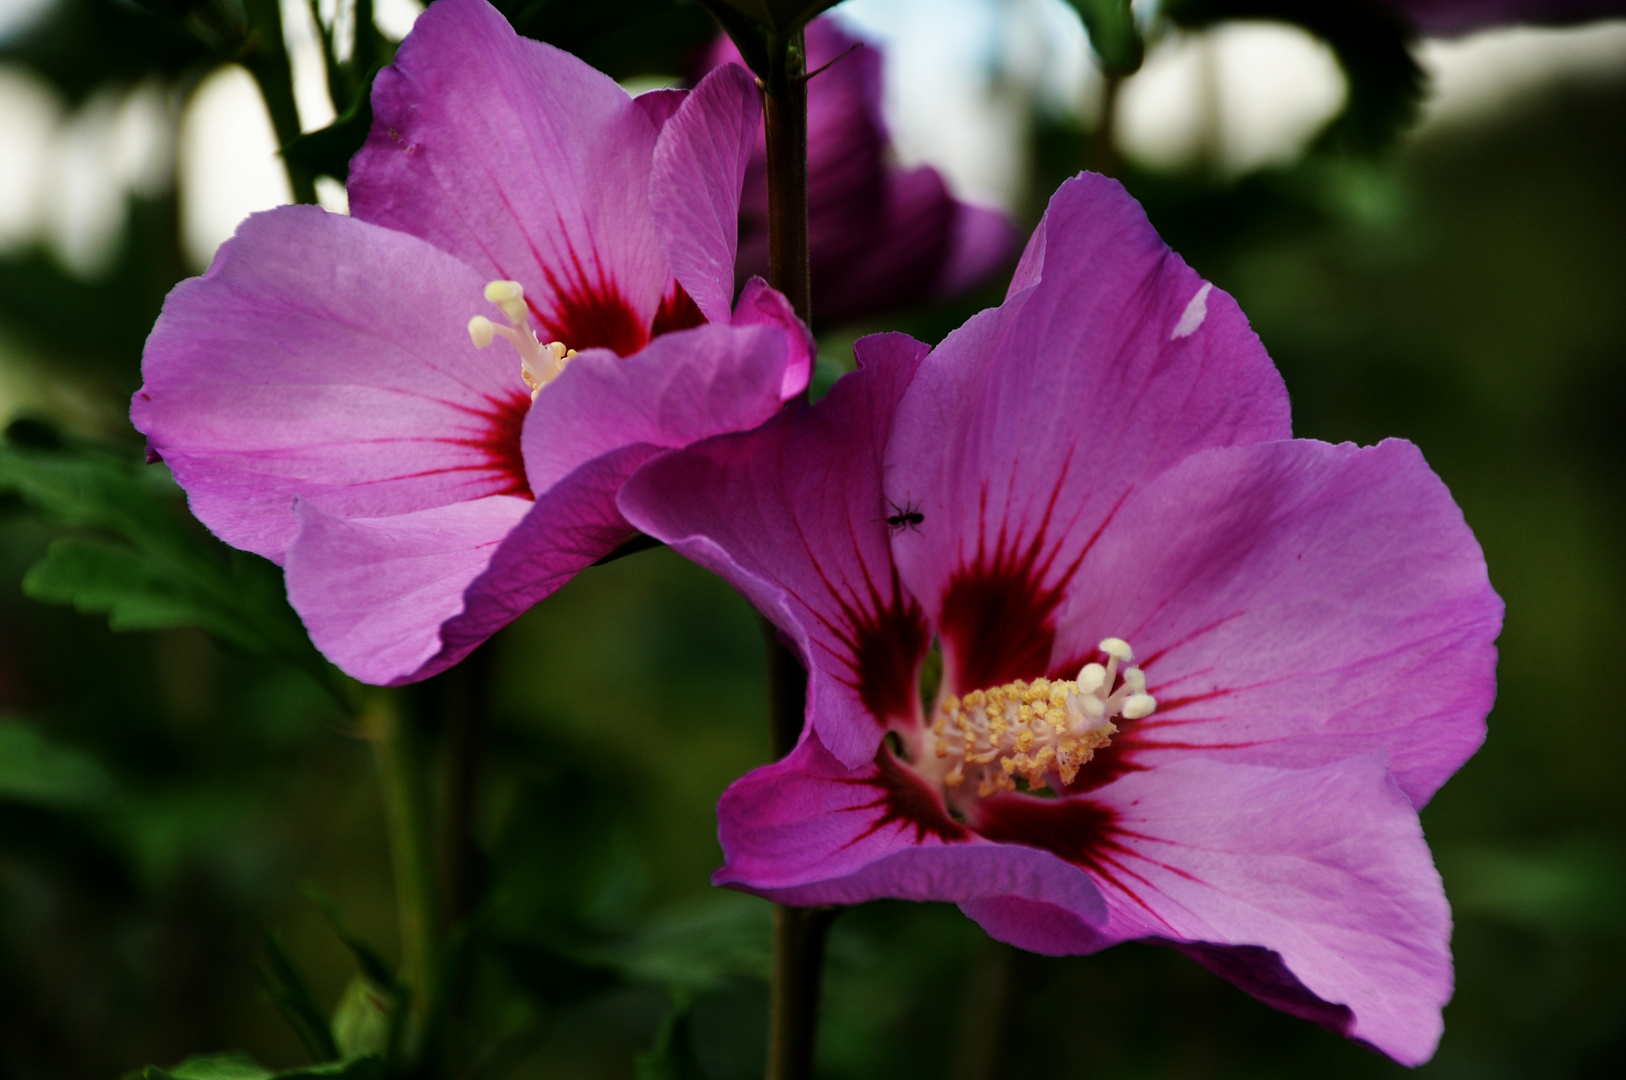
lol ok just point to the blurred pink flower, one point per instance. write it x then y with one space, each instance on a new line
1451 17
1104 461
317 392
882 237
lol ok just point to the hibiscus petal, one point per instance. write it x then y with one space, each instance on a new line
1293 883
373 591
761 305
880 237
574 524
906 247
807 831
398 599
328 359
686 386
982 240
661 105
526 163
847 147
792 516
1293 604
1028 426
441 585
699 169
1448 18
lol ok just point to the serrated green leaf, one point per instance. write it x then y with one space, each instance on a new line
211 1067
151 568
363 1068
241 1067
37 772
133 591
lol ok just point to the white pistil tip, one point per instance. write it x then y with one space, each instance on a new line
1139 706
481 331
1090 678
498 291
510 297
1118 649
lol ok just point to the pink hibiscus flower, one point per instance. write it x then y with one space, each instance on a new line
881 237
332 393
1452 17
1198 676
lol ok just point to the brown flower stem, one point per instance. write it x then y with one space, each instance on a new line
1101 147
784 114
787 692
987 1008
799 933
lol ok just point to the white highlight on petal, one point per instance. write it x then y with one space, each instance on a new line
1192 318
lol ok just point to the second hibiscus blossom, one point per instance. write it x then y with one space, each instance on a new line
1198 676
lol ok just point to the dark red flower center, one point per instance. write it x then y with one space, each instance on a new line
580 318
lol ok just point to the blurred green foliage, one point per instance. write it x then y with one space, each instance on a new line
165 801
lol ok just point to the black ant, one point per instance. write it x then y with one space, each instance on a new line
907 516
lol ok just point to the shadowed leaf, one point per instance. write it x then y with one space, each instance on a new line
152 568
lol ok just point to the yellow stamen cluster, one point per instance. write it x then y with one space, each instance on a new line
539 364
1036 730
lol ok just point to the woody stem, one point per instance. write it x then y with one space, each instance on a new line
799 933
784 108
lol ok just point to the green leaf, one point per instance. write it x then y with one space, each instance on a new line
748 35
364 1068
697 947
373 966
764 31
39 773
622 38
151 567
287 990
1571 886
672 1057
241 1067
777 16
1113 34
210 1067
327 151
361 1023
